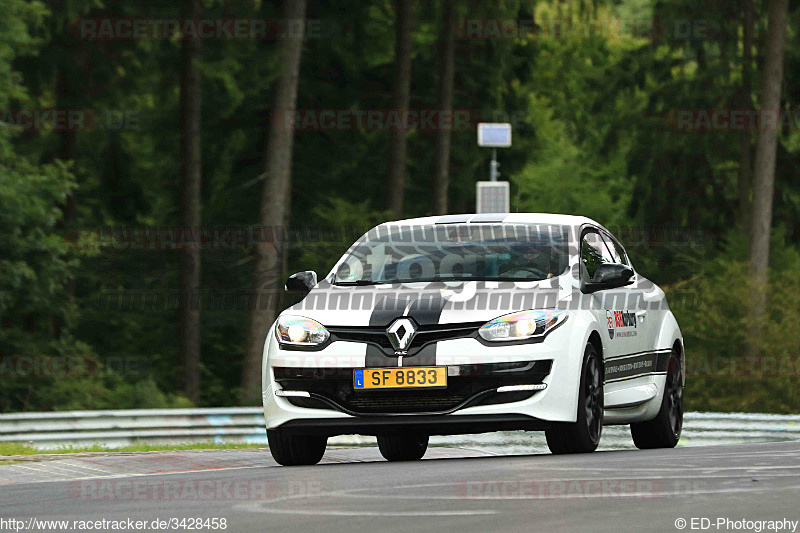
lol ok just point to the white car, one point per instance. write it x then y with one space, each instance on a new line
469 324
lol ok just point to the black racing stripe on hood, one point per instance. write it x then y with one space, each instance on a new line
388 307
425 310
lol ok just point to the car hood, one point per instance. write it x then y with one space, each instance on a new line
426 303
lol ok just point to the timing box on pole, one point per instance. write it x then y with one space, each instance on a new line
494 135
493 197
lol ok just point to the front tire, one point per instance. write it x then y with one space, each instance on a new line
583 435
293 450
402 447
664 430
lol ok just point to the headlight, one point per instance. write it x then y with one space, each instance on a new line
521 326
300 331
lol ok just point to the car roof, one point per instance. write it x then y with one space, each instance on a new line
499 218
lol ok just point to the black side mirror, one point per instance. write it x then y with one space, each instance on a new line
609 276
302 281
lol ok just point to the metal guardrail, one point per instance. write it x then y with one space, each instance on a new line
119 428
114 429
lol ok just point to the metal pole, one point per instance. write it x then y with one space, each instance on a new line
493 166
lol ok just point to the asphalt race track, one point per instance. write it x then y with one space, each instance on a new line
451 490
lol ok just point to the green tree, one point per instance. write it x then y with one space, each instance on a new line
191 204
766 153
401 96
275 201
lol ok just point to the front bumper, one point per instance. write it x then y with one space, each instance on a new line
468 385
475 371
419 424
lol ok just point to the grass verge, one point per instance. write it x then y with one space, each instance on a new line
13 448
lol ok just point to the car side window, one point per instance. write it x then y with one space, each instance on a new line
593 253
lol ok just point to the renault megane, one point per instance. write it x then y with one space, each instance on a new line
474 323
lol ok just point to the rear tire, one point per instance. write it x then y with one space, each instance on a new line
664 431
583 435
403 447
292 450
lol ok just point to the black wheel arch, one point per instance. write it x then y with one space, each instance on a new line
596 341
677 347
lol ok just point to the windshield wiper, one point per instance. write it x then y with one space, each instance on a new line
365 282
360 282
441 279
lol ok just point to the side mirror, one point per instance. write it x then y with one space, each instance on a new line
302 281
609 276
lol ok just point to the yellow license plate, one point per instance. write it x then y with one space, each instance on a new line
412 377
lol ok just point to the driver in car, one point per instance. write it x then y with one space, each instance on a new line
527 262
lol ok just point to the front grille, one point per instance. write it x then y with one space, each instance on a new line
467 385
425 335
457 392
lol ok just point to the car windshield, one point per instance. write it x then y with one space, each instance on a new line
467 252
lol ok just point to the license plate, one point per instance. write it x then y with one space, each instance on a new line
417 377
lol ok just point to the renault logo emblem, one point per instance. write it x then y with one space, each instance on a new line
401 333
